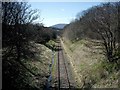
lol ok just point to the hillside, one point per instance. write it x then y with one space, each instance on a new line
59 26
34 78
89 64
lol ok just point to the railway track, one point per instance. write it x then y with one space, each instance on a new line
63 77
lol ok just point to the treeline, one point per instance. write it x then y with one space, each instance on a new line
100 22
41 34
19 33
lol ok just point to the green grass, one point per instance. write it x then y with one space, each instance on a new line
54 64
39 65
51 43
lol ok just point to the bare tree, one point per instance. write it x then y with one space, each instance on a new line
16 18
104 22
15 21
99 22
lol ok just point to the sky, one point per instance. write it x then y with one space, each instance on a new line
52 13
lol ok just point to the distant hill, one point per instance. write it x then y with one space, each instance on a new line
59 26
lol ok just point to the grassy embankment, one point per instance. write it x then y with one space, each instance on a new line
40 64
90 65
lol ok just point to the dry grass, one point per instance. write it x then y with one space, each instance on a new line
87 59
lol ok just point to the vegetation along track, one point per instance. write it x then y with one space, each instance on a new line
63 77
